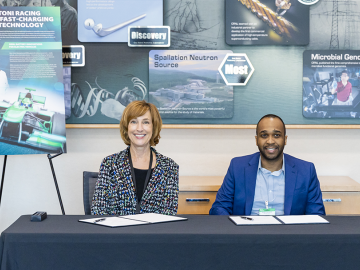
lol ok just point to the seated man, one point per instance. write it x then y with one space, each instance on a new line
343 90
269 182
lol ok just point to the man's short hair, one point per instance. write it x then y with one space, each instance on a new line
271 116
345 71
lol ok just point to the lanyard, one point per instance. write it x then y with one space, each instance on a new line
147 178
267 189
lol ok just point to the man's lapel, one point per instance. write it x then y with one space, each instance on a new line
250 182
290 181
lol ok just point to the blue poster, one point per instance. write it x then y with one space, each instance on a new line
331 84
32 110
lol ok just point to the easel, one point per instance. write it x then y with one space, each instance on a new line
53 173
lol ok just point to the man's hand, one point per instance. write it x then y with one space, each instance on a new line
283 4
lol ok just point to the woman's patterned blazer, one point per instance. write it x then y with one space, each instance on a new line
115 192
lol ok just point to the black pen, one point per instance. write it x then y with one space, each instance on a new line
247 218
98 220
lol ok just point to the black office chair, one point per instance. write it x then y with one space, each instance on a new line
89 182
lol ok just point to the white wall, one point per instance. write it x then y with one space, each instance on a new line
29 186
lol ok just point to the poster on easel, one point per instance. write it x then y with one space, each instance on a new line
32 110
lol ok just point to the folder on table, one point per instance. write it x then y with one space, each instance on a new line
303 219
131 220
278 220
254 220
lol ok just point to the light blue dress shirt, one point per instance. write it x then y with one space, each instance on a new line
270 186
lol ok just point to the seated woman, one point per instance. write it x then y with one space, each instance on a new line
137 179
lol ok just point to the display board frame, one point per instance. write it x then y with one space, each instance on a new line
265 91
179 126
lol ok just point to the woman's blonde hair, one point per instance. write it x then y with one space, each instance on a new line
134 110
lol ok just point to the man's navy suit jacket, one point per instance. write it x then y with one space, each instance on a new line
302 188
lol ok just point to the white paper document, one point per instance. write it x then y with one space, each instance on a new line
130 220
153 218
304 219
113 221
256 220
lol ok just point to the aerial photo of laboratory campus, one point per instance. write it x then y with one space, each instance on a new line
191 92
198 95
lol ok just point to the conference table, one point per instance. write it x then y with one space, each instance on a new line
201 242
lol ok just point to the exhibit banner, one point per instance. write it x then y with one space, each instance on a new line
187 84
196 24
112 78
32 106
236 69
331 84
308 2
266 22
149 36
108 20
73 56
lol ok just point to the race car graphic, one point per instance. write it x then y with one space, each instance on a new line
28 123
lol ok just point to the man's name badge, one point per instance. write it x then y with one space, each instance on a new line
267 212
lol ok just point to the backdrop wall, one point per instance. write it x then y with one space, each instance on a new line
29 186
